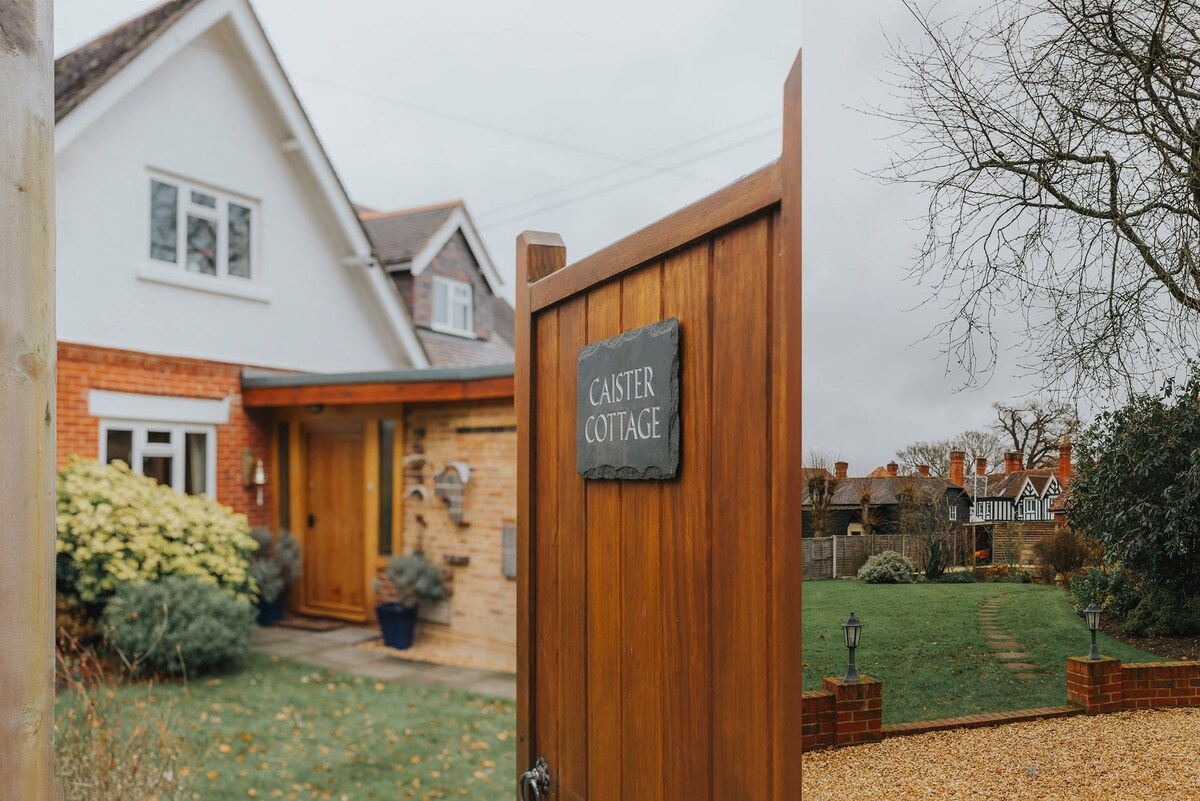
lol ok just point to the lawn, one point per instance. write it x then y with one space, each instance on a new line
923 642
280 729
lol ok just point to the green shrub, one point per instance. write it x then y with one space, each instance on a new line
116 527
415 579
1161 613
178 624
887 567
277 563
957 577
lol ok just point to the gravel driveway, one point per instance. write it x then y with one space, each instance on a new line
1126 756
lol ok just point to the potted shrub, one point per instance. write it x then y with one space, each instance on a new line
276 565
415 580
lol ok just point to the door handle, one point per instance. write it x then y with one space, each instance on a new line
312 520
534 782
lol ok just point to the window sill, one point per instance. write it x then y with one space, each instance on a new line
174 276
455 332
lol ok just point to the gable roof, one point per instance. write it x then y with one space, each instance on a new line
412 238
1009 485
399 235
79 73
95 76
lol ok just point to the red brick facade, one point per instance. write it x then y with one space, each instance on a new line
1095 685
83 367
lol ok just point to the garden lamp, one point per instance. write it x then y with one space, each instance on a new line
850 631
1092 615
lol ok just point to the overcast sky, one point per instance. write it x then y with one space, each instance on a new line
594 119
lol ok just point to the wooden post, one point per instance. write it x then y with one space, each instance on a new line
786 527
27 365
538 255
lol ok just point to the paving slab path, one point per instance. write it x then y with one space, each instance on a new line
338 649
1006 648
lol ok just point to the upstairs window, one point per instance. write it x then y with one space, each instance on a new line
200 230
453 307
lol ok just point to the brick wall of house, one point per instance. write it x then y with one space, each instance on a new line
83 367
456 262
483 435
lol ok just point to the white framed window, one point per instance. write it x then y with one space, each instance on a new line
203 231
183 457
953 512
453 307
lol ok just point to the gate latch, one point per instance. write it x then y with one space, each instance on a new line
535 782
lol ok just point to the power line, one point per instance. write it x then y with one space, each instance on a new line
652 157
500 129
633 180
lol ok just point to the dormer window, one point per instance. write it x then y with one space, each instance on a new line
200 230
453 307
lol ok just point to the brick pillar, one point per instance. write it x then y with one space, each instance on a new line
1096 686
858 710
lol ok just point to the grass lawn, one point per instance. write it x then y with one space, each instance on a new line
923 642
280 729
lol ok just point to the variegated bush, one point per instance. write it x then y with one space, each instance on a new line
116 526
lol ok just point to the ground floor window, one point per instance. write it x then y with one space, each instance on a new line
181 456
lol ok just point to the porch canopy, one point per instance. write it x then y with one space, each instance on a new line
264 389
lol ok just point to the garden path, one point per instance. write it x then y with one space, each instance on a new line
337 649
1004 645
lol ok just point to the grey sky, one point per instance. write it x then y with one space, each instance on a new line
388 84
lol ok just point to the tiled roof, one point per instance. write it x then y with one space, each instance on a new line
79 73
883 489
503 320
400 235
1008 485
448 350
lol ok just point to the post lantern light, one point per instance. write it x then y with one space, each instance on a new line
1092 615
850 631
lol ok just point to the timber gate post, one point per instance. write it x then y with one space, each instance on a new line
27 366
659 483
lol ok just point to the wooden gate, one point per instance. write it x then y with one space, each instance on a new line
659 621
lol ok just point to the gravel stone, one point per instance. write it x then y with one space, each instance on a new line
1127 756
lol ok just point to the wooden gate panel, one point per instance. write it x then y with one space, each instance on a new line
605 780
572 561
686 541
740 492
641 603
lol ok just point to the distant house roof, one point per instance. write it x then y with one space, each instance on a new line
449 350
401 235
504 320
78 74
1009 485
883 489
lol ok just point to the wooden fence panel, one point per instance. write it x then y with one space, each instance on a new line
659 621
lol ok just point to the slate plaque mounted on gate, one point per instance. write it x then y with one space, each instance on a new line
627 423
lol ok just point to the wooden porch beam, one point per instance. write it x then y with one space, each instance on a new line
397 392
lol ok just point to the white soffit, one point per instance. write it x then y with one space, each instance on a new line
157 408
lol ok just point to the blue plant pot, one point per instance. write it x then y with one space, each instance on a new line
398 624
272 613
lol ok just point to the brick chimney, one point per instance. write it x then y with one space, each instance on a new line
981 466
893 469
1013 461
958 461
923 469
1064 462
840 469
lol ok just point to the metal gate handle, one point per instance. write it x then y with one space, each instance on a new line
536 779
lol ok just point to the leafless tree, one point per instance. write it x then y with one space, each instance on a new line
820 484
1058 142
936 453
925 516
1036 428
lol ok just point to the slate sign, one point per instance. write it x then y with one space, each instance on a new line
627 422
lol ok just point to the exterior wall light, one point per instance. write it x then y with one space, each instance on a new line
851 630
1092 615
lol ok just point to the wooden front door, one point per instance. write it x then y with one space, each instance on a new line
334 582
659 620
